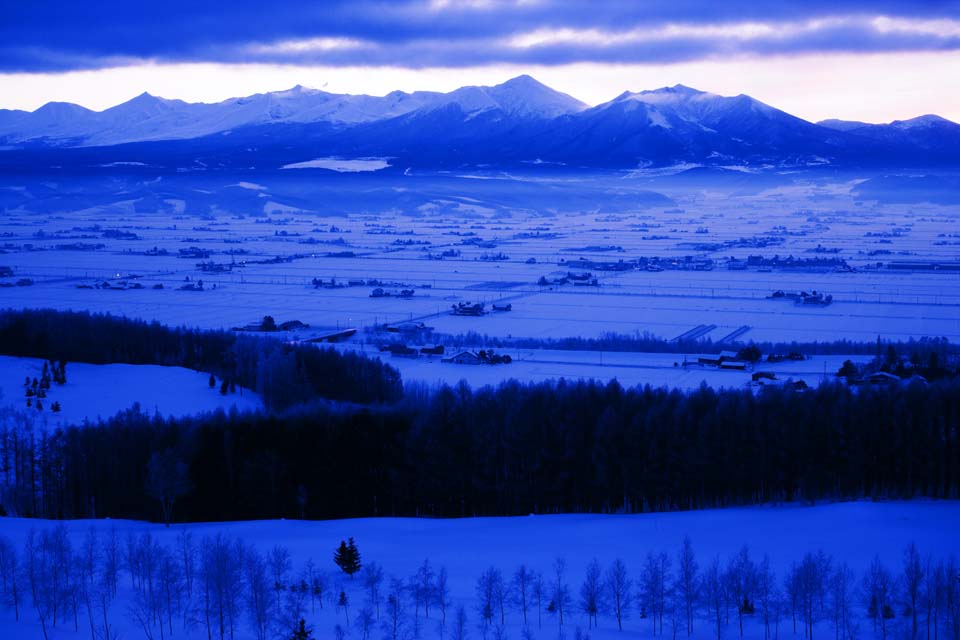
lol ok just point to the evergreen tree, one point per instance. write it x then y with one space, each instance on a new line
302 632
347 557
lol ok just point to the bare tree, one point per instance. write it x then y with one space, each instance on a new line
460 624
742 576
591 594
259 593
841 597
501 593
769 598
87 573
393 624
280 566
37 561
111 561
521 589
878 590
441 594
168 479
912 583
618 588
714 591
560 594
172 583
188 555
653 588
688 582
221 572
486 594
931 596
10 575
364 622
425 586
951 598
372 577
320 584
539 591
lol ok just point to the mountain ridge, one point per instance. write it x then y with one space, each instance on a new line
518 121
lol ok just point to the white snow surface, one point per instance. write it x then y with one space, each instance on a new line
853 532
97 391
341 165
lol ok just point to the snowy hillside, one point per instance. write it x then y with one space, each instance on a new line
466 548
101 391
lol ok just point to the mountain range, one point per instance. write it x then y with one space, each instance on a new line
519 122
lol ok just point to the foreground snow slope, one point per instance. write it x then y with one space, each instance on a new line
97 391
851 532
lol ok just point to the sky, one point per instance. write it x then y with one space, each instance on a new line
874 61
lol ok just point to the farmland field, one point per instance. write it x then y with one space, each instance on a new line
458 239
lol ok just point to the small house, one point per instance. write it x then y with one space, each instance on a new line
464 357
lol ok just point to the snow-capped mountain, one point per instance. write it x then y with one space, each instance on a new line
518 122
148 117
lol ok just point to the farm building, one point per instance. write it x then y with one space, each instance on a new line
715 360
464 357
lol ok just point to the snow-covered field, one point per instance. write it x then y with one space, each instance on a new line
853 533
867 304
101 391
628 368
258 250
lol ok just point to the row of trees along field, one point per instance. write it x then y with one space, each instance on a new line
515 449
226 588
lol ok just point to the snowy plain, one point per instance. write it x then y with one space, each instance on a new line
264 243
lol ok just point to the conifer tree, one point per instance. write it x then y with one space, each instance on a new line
302 632
347 557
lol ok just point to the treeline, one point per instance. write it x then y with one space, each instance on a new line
646 342
283 374
226 588
515 449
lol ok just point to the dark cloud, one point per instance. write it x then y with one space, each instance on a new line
48 35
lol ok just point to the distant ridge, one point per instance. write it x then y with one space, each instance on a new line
520 121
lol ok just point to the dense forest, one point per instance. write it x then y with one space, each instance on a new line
341 439
516 449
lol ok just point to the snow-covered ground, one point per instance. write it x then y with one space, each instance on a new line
342 165
628 368
95 391
259 245
853 532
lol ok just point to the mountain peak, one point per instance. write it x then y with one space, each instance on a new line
928 120
526 96
523 80
676 90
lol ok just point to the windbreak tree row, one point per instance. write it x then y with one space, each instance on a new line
515 449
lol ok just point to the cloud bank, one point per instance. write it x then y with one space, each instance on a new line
54 35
